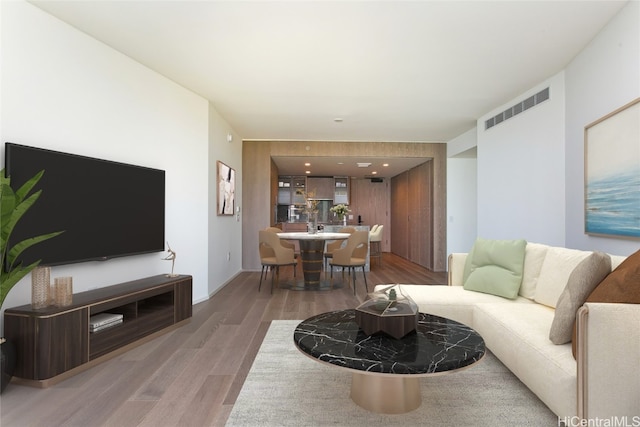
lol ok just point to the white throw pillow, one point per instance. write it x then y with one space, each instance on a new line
556 269
616 260
533 258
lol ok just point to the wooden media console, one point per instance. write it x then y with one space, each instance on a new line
54 343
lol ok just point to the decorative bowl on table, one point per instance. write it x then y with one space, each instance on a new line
388 311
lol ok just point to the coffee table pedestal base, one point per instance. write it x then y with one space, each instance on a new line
386 394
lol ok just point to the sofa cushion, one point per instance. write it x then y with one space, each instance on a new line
453 302
518 336
622 285
556 269
495 267
534 256
456 266
582 281
616 260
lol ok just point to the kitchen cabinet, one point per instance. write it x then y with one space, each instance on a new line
321 187
298 183
287 190
284 190
341 190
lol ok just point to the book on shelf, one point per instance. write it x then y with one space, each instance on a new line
105 326
101 319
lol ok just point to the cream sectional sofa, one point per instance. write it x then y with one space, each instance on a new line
604 382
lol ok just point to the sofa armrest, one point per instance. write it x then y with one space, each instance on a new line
608 356
456 268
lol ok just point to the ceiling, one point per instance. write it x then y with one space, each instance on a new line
409 71
360 167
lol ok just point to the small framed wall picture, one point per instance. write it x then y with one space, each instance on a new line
226 189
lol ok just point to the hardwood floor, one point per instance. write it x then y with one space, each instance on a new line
191 376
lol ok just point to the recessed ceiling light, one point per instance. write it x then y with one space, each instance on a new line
307 164
307 172
374 173
385 165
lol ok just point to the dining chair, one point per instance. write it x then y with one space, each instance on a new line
375 241
273 256
353 255
336 244
285 243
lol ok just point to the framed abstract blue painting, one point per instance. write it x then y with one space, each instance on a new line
612 173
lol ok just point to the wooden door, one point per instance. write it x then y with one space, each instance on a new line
370 200
399 215
412 215
420 215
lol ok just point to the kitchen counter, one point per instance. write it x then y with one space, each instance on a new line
302 226
333 228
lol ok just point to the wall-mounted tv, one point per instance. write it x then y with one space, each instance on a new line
106 209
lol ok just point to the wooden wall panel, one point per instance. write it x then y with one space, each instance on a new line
426 212
399 213
420 216
256 199
257 194
273 199
370 200
439 208
412 215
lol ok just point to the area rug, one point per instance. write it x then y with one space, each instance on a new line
286 388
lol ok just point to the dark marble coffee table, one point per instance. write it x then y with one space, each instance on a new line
386 371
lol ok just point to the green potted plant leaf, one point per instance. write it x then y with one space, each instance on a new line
13 205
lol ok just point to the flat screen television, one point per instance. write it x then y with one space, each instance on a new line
106 209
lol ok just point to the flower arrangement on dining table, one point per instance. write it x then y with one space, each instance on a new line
310 203
341 210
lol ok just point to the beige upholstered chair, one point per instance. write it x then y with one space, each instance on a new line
284 243
353 255
273 256
336 244
375 240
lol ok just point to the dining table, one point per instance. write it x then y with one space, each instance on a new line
312 254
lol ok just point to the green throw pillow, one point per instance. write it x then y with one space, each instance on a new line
495 267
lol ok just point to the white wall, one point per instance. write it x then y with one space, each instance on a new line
63 90
225 243
462 200
602 78
531 167
521 169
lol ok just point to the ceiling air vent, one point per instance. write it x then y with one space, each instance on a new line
531 101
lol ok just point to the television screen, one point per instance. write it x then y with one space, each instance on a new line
106 209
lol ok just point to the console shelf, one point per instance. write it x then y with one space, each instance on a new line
54 343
